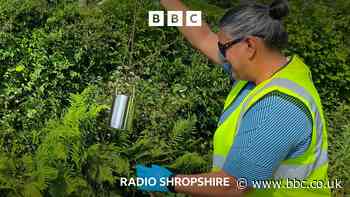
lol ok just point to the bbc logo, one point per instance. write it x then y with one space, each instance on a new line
175 18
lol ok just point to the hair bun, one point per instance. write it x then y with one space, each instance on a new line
279 9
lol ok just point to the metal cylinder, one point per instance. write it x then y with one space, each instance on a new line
119 111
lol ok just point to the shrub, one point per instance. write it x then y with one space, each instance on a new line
61 62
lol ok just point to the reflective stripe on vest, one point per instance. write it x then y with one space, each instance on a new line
300 171
218 160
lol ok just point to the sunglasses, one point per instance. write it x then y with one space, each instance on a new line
224 47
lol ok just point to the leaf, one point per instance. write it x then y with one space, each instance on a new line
30 190
20 68
105 174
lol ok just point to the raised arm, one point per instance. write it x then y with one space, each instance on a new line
201 38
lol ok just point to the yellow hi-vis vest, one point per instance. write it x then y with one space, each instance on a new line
308 169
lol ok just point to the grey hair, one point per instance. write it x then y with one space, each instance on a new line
258 20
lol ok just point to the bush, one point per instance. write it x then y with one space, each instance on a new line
339 147
61 62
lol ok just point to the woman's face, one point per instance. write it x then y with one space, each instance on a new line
238 55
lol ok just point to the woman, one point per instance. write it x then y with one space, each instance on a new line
272 127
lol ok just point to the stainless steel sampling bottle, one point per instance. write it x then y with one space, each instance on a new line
122 110
119 111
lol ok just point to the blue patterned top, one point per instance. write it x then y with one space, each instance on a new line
275 128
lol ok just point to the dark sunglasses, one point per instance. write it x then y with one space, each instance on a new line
224 47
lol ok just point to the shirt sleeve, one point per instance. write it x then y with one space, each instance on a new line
276 127
226 67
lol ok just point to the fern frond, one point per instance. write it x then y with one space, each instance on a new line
190 163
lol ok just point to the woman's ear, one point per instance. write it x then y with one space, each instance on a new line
252 45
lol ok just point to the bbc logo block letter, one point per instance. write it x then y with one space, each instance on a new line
194 18
156 18
175 18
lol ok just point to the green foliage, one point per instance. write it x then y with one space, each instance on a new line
59 153
321 39
339 147
190 163
61 62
